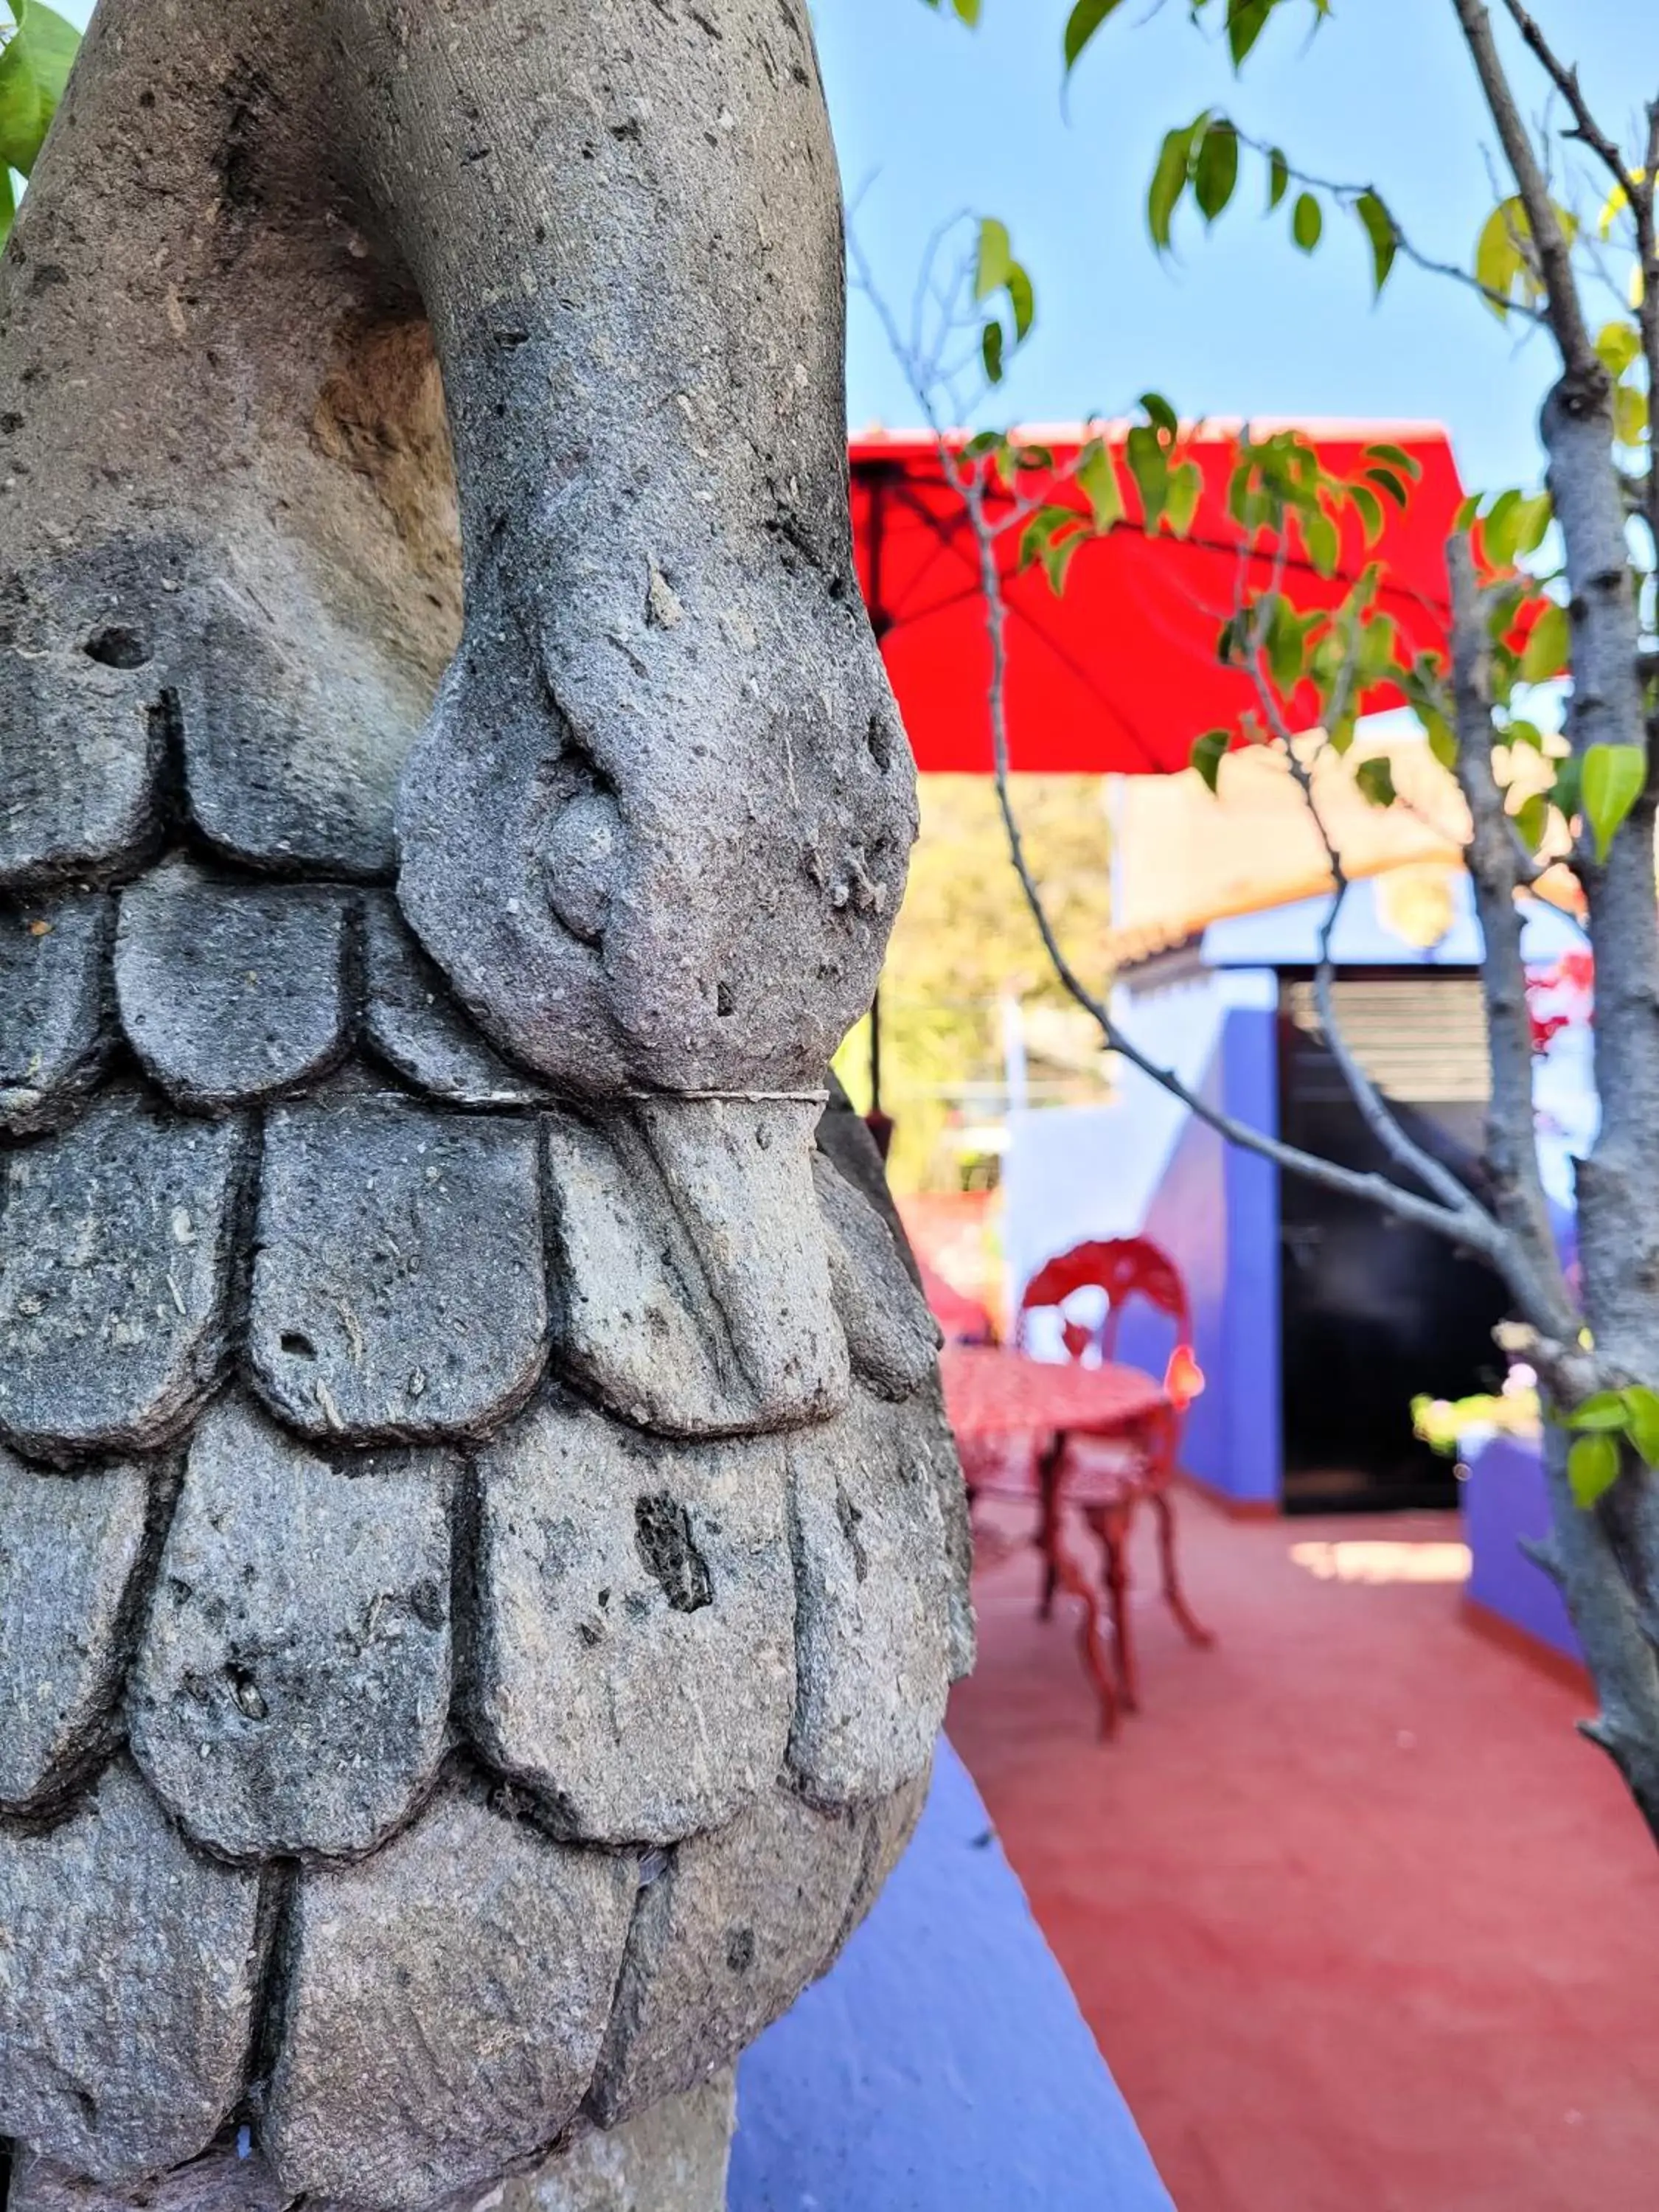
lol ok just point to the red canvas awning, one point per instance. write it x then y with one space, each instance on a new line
1120 675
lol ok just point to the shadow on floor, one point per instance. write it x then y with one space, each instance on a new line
1359 1922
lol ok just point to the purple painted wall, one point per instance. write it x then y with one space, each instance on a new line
1216 1213
943 2066
1503 1500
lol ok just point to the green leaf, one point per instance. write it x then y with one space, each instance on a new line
1532 820
1286 643
1216 170
1161 414
1467 508
1279 178
1098 479
1603 1414
1532 518
34 68
1499 263
1592 1469
1186 489
990 348
1388 480
1566 792
1022 299
1396 456
1613 777
1170 181
1379 227
1208 753
1246 21
1369 507
1056 558
968 12
1498 529
1642 1405
1085 19
1442 738
7 204
1517 731
1324 546
1306 221
996 258
1549 646
1149 464
1376 780
1630 415
1618 346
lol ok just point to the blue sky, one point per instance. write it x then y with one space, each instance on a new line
944 118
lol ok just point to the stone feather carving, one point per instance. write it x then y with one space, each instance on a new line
481 1559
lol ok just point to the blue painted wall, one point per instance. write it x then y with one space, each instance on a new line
1216 1213
1503 1500
943 2066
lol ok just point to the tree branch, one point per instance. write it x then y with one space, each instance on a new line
1642 200
1468 1225
1349 194
1511 1141
1566 80
1566 314
1374 1110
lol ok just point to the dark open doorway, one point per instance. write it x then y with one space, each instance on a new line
1375 1311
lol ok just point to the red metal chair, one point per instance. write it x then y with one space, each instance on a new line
1106 1481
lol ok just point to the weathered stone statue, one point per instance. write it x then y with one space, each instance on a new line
480 1557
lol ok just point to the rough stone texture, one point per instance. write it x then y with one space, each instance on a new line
930 1433
723 1941
416 1026
671 2159
398 1285
634 1652
844 1136
693 1276
82 730
888 1827
231 991
892 1338
292 1687
871 1628
717 685
445 2007
219 2181
54 1034
114 1248
292 743
70 1551
127 1998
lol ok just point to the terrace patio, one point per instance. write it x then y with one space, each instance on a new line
1359 1923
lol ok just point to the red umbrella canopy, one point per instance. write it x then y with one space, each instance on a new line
1119 673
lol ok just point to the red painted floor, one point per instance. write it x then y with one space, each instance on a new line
1360 1925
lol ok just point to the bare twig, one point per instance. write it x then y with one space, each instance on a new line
1347 193
1565 78
1374 1110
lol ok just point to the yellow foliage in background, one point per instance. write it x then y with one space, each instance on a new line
965 942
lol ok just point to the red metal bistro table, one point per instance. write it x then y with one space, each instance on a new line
993 1394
